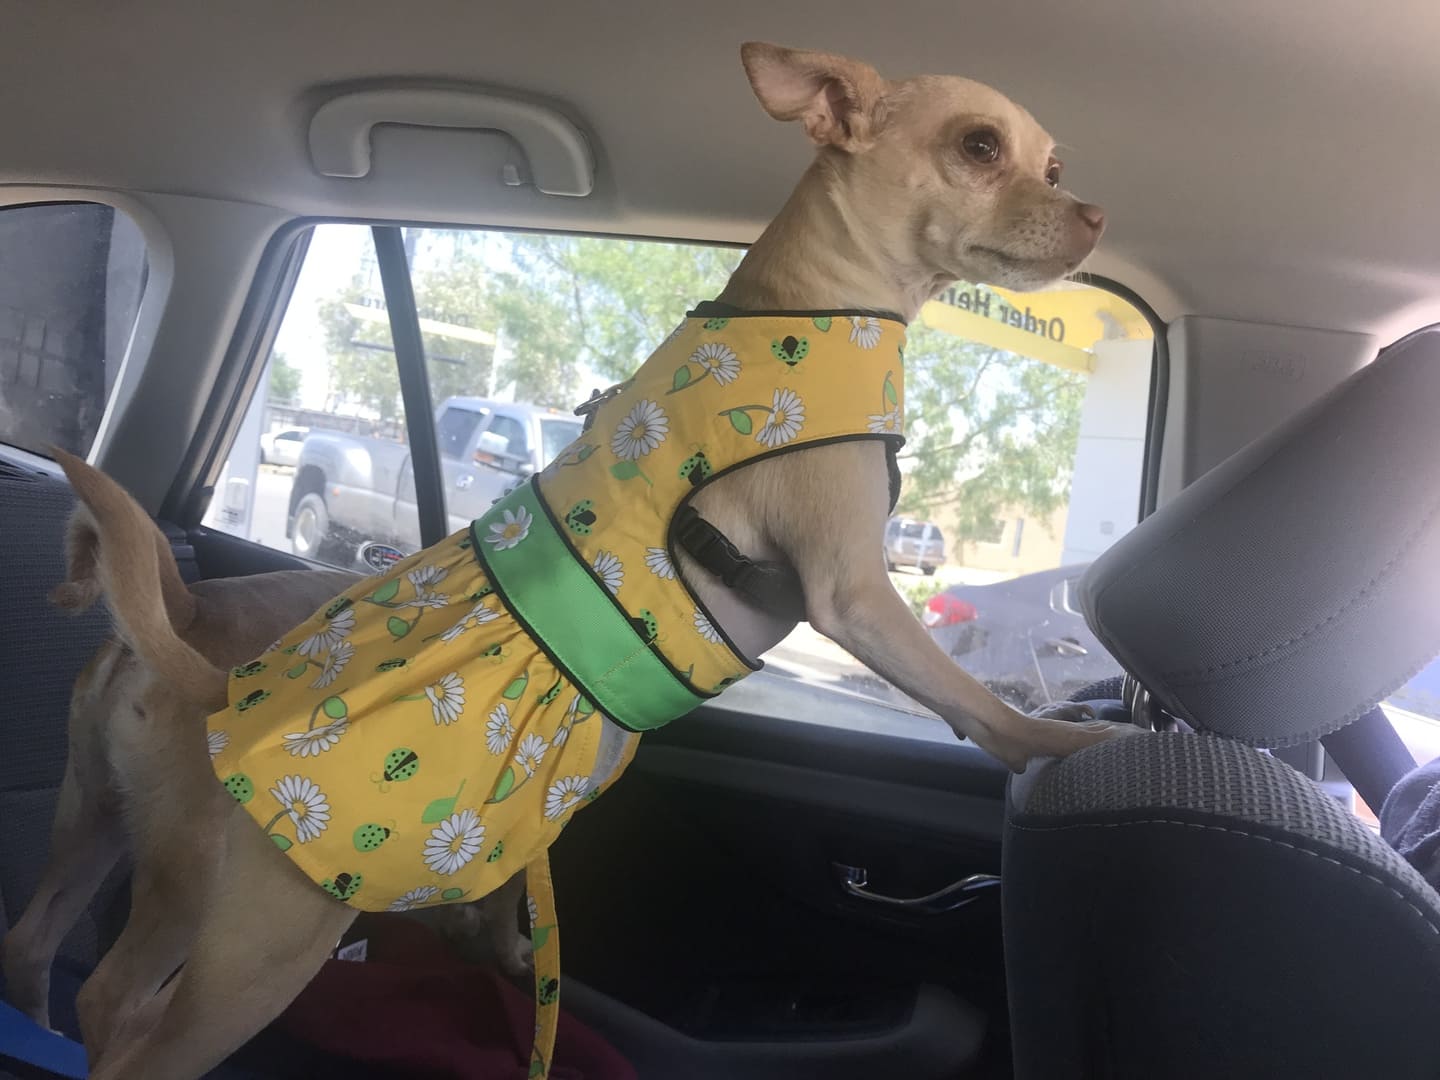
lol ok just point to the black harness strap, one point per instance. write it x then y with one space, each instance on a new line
771 587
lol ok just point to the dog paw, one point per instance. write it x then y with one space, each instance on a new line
1074 712
516 957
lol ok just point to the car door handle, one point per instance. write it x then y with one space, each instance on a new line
1066 647
854 879
464 481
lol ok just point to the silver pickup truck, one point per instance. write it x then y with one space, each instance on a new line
350 490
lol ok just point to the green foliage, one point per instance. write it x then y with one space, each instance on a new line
988 432
284 380
917 593
614 301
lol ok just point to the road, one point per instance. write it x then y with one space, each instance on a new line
272 502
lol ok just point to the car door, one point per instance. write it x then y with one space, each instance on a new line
717 888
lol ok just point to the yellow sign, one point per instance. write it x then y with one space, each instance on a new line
1060 326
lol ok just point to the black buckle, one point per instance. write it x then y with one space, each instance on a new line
590 405
698 537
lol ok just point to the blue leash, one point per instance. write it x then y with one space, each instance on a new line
21 1039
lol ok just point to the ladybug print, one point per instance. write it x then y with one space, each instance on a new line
370 837
716 324
551 694
391 665
401 764
244 671
250 700
337 606
240 786
343 886
580 518
696 468
645 624
790 350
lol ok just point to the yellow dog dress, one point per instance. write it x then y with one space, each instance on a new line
428 733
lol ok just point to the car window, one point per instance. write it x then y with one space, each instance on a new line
332 372
454 430
1026 418
555 435
511 430
71 279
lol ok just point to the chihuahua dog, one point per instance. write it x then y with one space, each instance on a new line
916 183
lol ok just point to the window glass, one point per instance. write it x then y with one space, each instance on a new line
331 377
71 279
1026 418
454 430
555 435
509 429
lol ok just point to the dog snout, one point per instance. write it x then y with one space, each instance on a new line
1092 216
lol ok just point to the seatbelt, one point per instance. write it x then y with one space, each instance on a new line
23 1040
1370 754
183 551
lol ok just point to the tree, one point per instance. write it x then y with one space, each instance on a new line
988 432
611 302
284 379
362 365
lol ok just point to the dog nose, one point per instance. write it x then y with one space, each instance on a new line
1092 215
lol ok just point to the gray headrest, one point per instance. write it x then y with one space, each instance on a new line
1289 589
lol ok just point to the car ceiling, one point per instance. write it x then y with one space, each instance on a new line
1259 160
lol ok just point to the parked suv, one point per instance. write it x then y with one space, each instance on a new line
918 544
350 490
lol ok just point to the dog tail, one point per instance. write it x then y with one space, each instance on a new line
116 551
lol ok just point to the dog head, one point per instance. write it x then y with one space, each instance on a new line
948 177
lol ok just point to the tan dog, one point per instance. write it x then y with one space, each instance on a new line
916 183
118 794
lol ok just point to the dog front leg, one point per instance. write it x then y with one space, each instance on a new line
827 508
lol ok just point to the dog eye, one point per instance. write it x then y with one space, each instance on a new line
982 145
1052 174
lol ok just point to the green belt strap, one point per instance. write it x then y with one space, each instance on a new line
575 621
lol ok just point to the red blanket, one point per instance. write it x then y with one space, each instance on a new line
413 1005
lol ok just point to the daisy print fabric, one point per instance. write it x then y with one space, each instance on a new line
719 393
408 745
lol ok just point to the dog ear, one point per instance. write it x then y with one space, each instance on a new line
838 99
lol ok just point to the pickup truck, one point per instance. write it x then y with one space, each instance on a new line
350 490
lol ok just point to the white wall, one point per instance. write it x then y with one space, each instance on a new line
1105 491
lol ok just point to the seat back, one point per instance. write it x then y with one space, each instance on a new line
43 650
1183 906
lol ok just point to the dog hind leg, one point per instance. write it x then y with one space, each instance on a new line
266 931
86 842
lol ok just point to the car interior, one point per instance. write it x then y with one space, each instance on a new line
223 221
